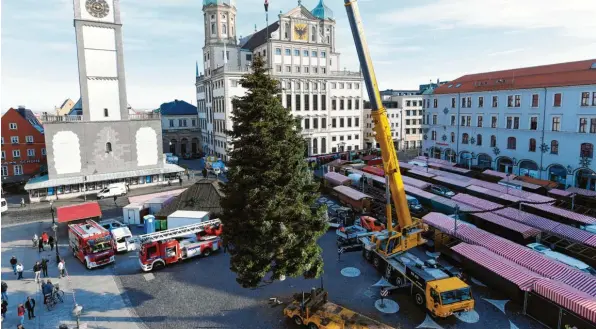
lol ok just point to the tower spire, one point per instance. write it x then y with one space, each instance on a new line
196 68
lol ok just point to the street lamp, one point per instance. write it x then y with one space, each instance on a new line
55 229
52 211
76 311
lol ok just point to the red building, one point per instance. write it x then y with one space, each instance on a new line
23 146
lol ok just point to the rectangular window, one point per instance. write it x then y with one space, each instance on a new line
357 123
29 139
315 70
480 121
315 123
297 69
341 122
288 69
407 122
323 70
334 104
4 171
434 119
334 125
517 100
453 120
408 103
16 153
194 122
349 122
510 101
305 69
516 123
307 123
480 101
357 104
594 98
583 123
12 126
171 123
30 152
535 100
463 121
277 68
315 102
288 52
105 112
323 54
307 102
468 102
341 85
493 122
18 170
341 104
495 101
296 52
407 113
556 124
557 100
585 99
324 123
289 102
297 104
313 54
14 139
435 103
509 122
452 102
349 104
323 102
534 123
593 126
278 51
3 154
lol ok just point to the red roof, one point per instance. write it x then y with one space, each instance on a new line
78 211
374 170
554 75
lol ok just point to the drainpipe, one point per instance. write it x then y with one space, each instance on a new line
542 138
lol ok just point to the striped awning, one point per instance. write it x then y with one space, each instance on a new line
564 213
576 301
336 178
521 277
525 230
497 174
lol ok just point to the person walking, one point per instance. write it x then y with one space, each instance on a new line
51 242
44 267
20 271
22 202
37 271
45 237
13 263
4 289
40 247
4 309
61 268
204 172
21 313
30 306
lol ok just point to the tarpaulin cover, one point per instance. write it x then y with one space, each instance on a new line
350 193
78 211
336 178
521 277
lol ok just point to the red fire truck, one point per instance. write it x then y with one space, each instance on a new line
91 244
171 246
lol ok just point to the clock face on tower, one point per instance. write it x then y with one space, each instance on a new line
97 8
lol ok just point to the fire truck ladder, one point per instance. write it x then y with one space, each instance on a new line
176 232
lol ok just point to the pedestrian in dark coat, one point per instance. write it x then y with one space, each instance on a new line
51 242
30 306
44 267
4 309
13 263
4 289
204 172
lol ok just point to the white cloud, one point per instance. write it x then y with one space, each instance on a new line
574 18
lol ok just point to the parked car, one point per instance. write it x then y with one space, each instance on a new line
117 189
110 224
546 251
442 191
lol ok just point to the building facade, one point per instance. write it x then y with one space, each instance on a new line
536 121
23 146
103 144
404 109
180 128
299 49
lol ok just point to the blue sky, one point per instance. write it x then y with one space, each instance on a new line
411 42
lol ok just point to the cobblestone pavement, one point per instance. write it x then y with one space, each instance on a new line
203 293
103 303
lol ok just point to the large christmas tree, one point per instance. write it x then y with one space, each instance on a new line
269 227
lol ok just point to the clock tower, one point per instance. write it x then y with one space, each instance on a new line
98 31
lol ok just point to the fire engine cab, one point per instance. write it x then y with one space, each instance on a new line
171 246
91 244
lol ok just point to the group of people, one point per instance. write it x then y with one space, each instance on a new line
46 239
40 268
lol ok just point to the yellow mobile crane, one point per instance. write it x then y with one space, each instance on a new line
432 286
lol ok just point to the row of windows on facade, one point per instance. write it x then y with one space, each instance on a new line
586 99
344 104
17 153
396 115
183 123
513 122
224 28
16 170
15 139
297 69
343 123
304 52
586 149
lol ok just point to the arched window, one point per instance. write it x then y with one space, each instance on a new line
224 28
314 34
532 145
479 140
464 138
554 147
213 29
287 31
587 150
493 141
452 137
108 147
323 145
511 143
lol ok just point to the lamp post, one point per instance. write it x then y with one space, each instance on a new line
52 211
55 229
508 174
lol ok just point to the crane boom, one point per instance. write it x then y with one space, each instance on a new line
380 120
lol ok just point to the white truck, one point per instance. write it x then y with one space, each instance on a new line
186 217
122 238
116 189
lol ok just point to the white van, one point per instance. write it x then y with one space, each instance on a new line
122 239
117 189
570 261
4 205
